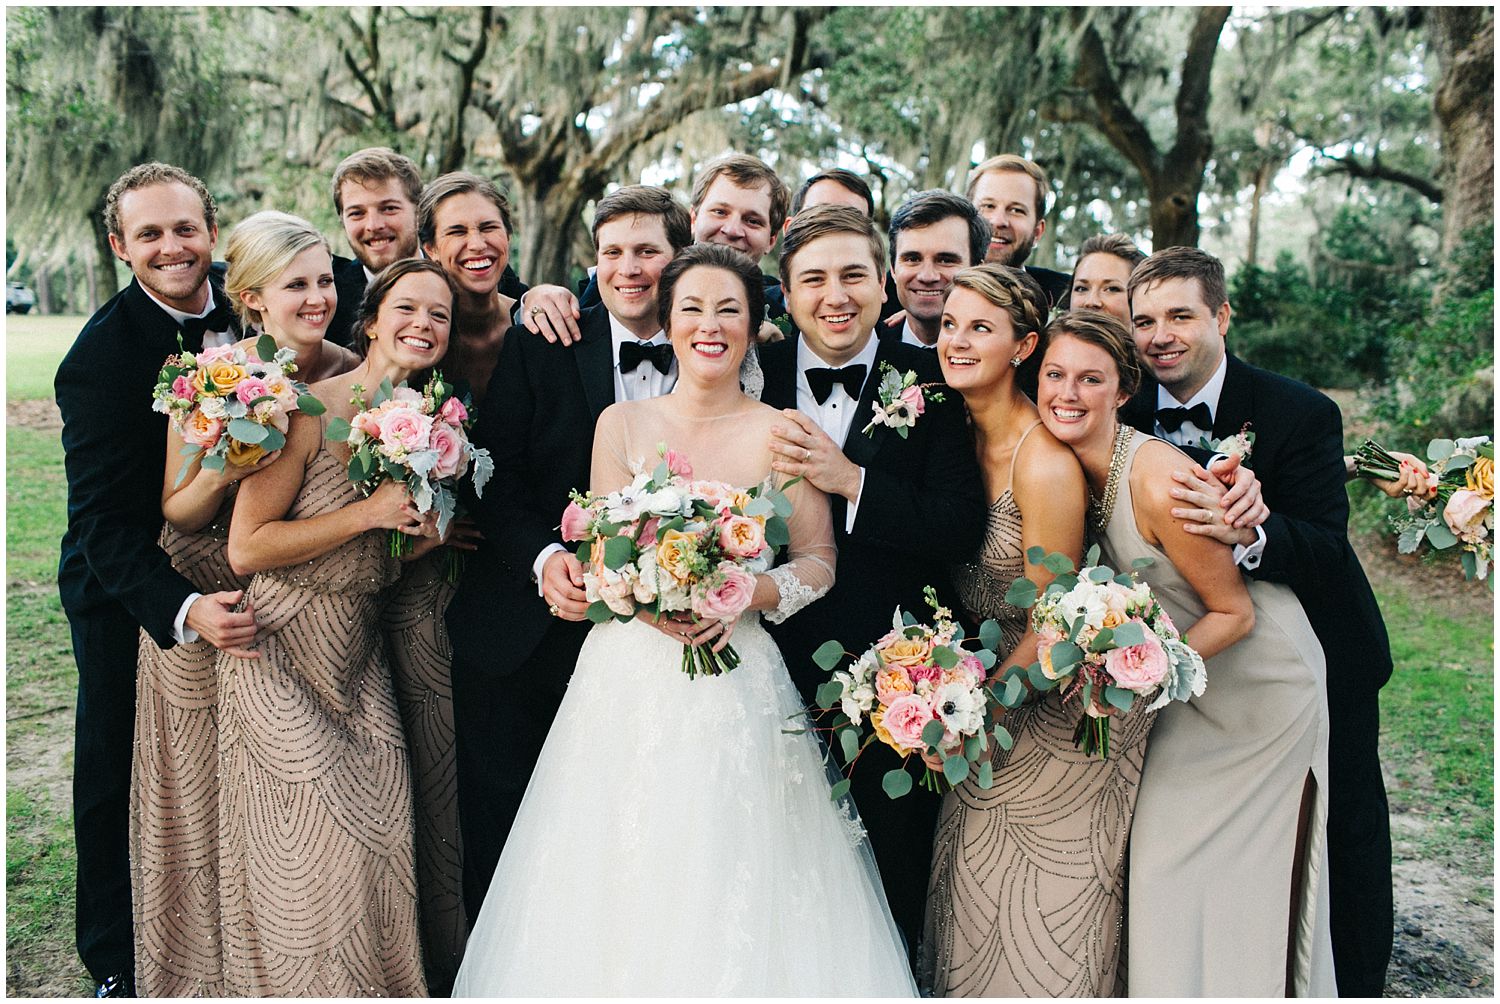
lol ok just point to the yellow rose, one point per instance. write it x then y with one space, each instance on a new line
225 377
244 454
908 651
1481 477
673 549
877 722
1113 619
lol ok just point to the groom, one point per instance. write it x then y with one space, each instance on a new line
903 508
1180 310
517 621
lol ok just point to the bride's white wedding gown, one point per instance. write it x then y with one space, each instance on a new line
674 840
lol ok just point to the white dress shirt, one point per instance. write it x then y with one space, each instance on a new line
910 337
1189 434
835 415
642 383
180 631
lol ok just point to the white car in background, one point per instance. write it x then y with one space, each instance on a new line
18 298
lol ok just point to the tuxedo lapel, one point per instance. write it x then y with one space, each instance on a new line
778 361
594 355
153 324
858 446
1236 401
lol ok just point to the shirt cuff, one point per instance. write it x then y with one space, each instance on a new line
519 310
181 633
1248 555
853 509
541 559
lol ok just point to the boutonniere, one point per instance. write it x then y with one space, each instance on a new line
902 400
1237 445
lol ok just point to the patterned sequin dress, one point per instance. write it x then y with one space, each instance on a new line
174 809
1028 878
421 658
317 876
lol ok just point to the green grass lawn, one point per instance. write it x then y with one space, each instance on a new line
34 345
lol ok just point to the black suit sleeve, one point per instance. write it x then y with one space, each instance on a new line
505 426
938 509
1308 529
110 516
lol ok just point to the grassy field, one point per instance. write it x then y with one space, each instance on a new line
1437 727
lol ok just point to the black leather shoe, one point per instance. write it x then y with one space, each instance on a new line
120 985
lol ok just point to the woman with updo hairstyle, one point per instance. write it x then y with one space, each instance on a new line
280 282
1102 273
1039 834
1227 852
317 867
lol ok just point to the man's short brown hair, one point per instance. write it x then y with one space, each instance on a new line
645 200
146 175
373 164
746 172
1016 165
1183 263
822 221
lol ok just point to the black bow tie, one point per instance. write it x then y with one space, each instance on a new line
217 320
1172 419
821 379
632 354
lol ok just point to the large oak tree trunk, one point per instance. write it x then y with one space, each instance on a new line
1464 40
547 218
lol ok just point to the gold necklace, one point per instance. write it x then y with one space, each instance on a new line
1101 510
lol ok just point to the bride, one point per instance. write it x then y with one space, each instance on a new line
674 839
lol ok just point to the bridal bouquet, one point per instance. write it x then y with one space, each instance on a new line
418 438
229 405
1104 638
666 543
1463 510
922 693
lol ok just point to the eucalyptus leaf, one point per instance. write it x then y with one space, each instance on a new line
985 776
839 790
829 693
246 431
1119 697
777 533
360 466
897 782
1140 563
265 348
1092 557
849 744
274 439
932 732
1101 574
617 551
338 430
1439 536
990 635
1065 656
780 503
759 507
1440 449
908 619
213 463
1039 679
1022 593
1129 634
1458 462
1003 736
598 612
1470 564
973 746
1103 641
986 657
1057 563
1014 692
585 552
945 657
828 655
661 473
309 405
955 769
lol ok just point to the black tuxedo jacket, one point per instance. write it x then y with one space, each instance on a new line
1056 285
922 507
1299 457
115 458
538 424
350 282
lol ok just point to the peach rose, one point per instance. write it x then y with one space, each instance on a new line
216 354
404 430
891 682
221 376
1465 515
200 430
449 444
673 549
908 652
244 454
742 536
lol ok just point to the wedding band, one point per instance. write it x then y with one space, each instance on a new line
806 455
535 311
553 609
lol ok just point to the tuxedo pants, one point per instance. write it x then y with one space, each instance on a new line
500 722
106 644
1359 846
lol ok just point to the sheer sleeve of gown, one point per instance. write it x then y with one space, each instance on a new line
734 450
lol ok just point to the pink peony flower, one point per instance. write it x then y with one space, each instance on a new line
575 522
368 424
925 674
678 464
449 444
406 395
404 430
730 597
182 388
1139 668
904 720
1465 513
912 397
741 536
648 531
250 388
453 412
217 354
200 430
971 667
891 683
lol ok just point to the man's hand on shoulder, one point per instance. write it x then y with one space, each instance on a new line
552 312
803 449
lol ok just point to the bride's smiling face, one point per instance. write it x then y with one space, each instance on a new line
710 324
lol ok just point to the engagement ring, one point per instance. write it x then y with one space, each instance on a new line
553 609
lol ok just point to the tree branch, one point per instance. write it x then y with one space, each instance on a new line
1376 171
453 154
1193 137
1114 116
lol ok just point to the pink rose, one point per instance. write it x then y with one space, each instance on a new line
678 464
182 388
449 444
648 531
217 354
453 412
404 430
1139 668
741 536
406 395
969 667
730 597
200 430
575 522
368 424
904 720
891 682
250 388
913 399
1465 513
924 674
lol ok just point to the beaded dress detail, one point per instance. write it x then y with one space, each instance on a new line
1028 878
317 876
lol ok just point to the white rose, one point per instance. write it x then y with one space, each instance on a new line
213 407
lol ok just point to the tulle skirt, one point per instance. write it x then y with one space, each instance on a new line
674 840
